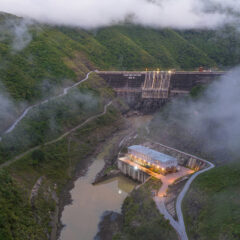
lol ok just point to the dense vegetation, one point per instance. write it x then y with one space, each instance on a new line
42 64
21 218
222 45
131 47
16 218
48 57
141 218
50 120
57 55
52 57
212 206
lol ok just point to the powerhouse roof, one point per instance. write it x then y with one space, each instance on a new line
152 153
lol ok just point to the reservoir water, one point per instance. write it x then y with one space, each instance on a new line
82 217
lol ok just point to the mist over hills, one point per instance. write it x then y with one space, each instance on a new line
177 14
37 60
34 55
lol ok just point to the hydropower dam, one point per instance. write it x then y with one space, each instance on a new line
149 90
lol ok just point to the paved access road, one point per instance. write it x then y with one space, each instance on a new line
58 139
183 193
179 225
65 91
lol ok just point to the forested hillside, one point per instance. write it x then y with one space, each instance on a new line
56 55
37 61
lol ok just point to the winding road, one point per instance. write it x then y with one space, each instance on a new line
179 225
57 139
65 91
183 193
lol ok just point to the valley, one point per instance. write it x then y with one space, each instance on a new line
73 100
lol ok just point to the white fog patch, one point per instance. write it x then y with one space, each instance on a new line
7 108
214 118
21 34
158 13
16 31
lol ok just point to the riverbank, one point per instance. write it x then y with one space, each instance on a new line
56 162
139 219
107 151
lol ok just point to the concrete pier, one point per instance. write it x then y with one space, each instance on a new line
128 170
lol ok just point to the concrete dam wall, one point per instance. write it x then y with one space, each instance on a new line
148 91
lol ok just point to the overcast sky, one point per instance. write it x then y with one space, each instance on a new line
157 13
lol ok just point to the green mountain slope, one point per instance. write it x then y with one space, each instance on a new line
223 45
134 47
168 48
57 55
212 207
45 58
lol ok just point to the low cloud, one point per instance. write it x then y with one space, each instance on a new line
209 123
184 14
17 32
7 108
22 37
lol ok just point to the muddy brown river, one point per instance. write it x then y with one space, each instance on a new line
82 217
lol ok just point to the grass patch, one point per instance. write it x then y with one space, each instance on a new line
212 206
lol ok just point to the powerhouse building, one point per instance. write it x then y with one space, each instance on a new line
151 158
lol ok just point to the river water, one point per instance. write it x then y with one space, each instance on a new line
82 217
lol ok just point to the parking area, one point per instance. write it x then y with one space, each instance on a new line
171 178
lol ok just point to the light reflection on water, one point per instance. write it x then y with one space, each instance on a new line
90 202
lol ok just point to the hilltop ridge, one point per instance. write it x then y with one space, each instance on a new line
55 55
